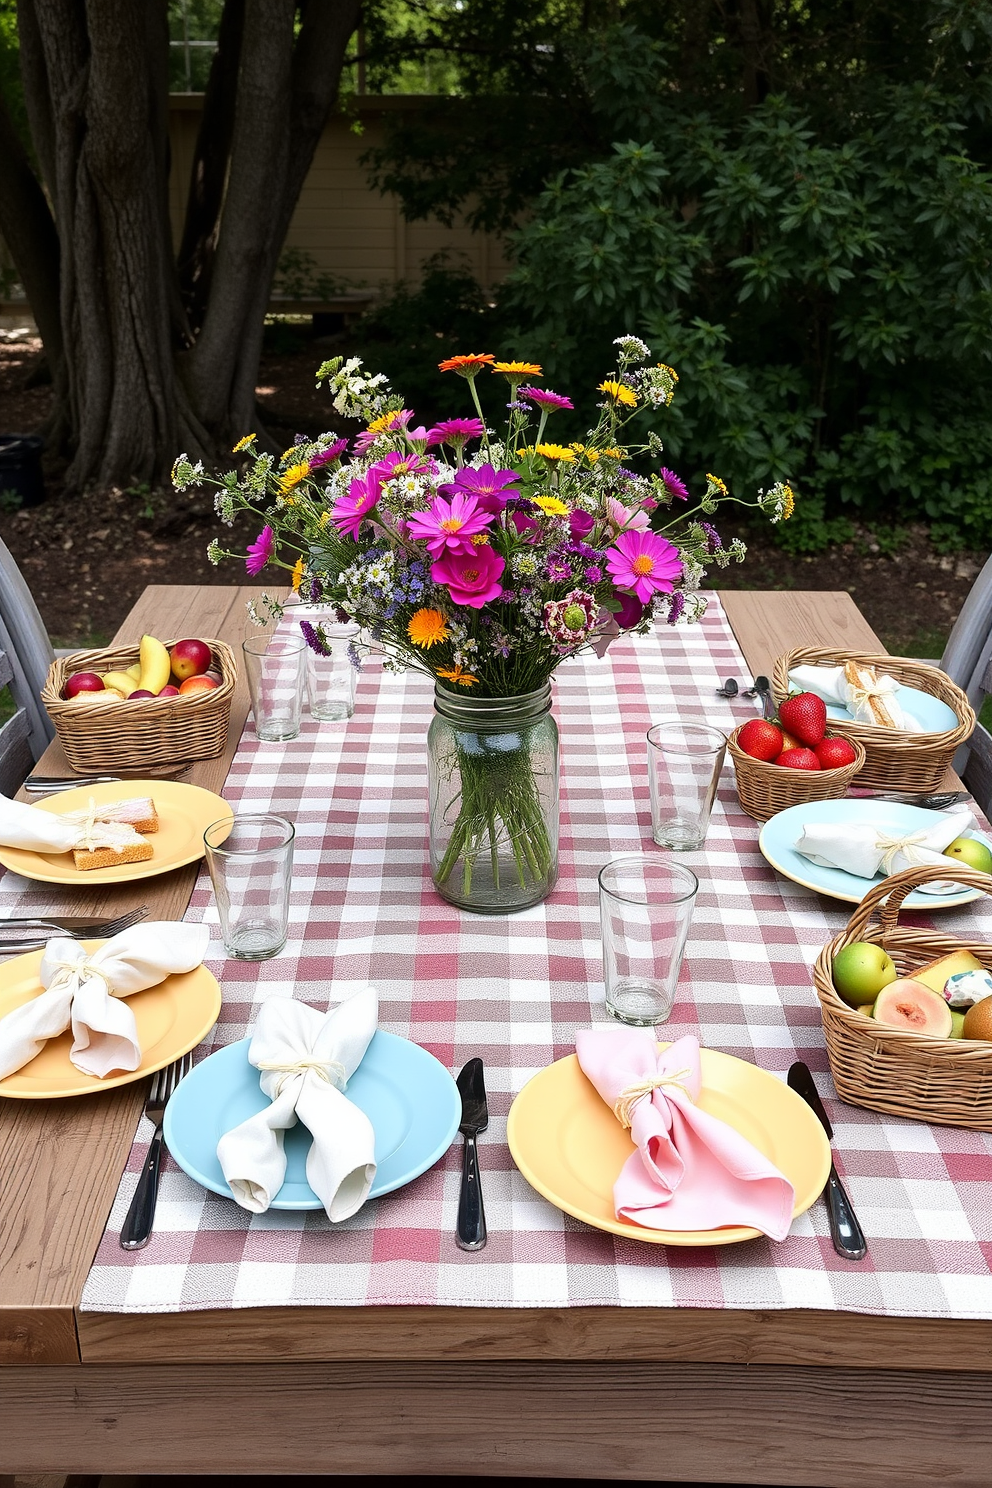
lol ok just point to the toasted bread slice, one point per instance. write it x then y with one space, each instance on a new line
138 812
866 676
112 857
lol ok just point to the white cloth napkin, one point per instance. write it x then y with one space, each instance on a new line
867 850
84 990
33 830
306 1059
832 686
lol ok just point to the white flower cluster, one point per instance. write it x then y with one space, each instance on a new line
654 385
632 348
778 503
224 507
257 479
185 474
354 394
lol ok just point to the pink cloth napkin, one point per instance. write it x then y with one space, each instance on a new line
690 1171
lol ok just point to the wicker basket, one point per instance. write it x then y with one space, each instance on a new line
764 788
896 761
135 736
946 1081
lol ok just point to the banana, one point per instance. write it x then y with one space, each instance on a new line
156 667
135 672
119 682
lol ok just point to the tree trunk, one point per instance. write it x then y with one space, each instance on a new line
156 357
756 46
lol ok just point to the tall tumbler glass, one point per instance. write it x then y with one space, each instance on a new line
251 868
645 908
684 764
331 679
276 680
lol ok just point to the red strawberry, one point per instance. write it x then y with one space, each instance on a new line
798 759
834 753
804 715
760 739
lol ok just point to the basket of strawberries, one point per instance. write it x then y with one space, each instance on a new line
791 759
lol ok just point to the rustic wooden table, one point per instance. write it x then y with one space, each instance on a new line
790 1397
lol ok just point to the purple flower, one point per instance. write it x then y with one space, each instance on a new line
329 455
491 488
677 489
260 551
675 606
714 542
300 439
456 432
593 573
581 523
630 613
315 638
558 570
311 590
545 398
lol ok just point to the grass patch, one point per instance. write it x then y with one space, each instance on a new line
7 708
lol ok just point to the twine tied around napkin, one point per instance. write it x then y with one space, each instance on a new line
95 832
623 1106
305 1059
861 693
865 849
892 847
86 990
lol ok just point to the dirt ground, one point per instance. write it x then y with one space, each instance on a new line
88 558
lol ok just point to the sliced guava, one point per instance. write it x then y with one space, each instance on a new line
908 1004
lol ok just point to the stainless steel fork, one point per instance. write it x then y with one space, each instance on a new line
40 930
137 1228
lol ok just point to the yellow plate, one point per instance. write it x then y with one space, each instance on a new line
185 812
171 1018
570 1147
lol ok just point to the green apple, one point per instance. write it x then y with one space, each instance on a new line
970 852
957 1025
861 971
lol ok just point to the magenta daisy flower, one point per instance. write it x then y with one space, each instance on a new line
491 488
329 455
456 431
351 509
644 563
471 579
545 398
260 551
580 523
393 466
631 611
387 424
449 526
676 488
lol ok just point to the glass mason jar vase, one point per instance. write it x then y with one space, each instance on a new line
493 783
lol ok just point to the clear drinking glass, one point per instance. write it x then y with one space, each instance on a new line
251 868
331 679
684 764
276 678
645 909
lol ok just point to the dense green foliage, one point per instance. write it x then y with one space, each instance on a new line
803 229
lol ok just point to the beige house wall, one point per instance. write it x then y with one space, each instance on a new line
344 223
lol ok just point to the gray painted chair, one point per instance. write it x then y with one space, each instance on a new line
967 660
16 754
24 639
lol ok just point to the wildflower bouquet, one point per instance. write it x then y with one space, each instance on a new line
485 560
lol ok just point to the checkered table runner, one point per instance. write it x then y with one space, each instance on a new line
514 990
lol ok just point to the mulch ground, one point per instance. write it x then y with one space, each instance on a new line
88 558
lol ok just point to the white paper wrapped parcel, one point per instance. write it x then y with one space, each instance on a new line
85 990
830 684
306 1059
867 850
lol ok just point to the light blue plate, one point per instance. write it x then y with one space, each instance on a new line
781 832
410 1099
934 716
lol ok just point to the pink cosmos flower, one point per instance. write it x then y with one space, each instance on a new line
545 398
676 488
472 579
449 526
456 431
394 465
390 423
351 509
329 455
645 563
491 488
626 518
260 551
580 523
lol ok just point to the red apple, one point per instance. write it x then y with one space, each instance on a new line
169 691
83 682
190 659
197 684
140 692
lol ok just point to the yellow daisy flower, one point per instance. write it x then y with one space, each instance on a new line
427 627
299 568
459 675
293 476
613 453
551 506
517 371
619 392
243 443
714 480
555 452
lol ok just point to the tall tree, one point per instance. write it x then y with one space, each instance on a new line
150 352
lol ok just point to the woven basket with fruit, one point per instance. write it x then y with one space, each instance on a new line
791 760
131 707
907 1014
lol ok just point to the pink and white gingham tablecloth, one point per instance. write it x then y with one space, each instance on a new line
514 990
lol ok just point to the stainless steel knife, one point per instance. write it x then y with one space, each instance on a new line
845 1232
471 1230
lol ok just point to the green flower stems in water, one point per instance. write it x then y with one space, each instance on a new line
499 794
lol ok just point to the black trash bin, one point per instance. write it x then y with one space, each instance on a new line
20 470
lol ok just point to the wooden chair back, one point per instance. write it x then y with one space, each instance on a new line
29 651
16 758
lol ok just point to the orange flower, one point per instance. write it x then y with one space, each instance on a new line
459 675
427 627
299 569
517 371
467 366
